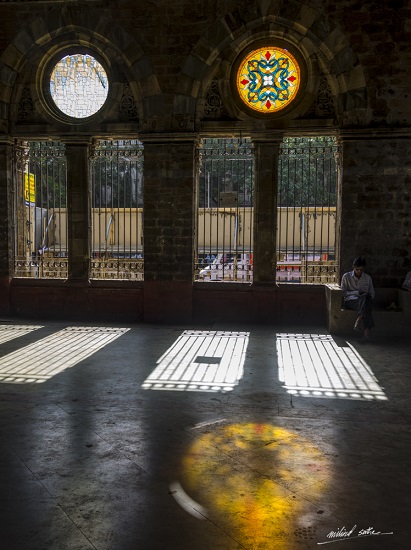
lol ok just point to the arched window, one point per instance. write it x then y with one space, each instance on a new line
40 210
307 214
117 210
225 210
307 224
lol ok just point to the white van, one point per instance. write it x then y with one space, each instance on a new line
227 267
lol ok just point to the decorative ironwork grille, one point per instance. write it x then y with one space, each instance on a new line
40 209
225 210
307 224
117 210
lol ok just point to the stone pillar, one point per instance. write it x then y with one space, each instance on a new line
266 151
375 203
169 217
79 225
6 209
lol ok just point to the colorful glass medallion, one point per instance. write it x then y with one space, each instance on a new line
268 79
79 85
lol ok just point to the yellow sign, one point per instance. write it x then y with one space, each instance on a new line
29 189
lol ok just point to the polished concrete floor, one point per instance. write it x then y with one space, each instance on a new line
144 437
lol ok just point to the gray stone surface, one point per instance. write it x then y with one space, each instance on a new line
89 459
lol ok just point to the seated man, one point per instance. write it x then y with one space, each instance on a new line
358 293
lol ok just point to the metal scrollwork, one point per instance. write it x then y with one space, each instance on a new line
111 268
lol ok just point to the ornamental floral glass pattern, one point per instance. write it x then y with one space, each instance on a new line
268 79
79 85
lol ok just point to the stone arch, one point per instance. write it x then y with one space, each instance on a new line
325 48
131 73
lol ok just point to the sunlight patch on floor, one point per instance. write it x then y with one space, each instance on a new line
314 365
201 361
10 332
56 353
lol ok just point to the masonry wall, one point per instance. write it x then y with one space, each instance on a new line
376 208
168 229
170 72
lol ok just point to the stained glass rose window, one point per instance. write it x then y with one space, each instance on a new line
268 79
79 85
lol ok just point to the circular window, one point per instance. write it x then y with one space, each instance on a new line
79 85
268 79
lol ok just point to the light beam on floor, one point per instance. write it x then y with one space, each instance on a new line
56 353
198 360
10 332
254 478
313 365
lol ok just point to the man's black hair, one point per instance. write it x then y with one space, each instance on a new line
359 262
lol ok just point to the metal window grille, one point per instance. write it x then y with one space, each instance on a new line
40 210
225 210
307 210
117 210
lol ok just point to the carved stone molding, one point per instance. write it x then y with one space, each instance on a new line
27 111
128 109
323 104
214 106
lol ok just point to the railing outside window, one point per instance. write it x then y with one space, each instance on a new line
307 221
40 210
225 210
307 210
117 210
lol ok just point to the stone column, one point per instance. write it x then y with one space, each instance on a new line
6 209
79 225
375 203
169 218
266 151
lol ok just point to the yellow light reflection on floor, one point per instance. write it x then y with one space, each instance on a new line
10 332
255 481
314 365
49 356
201 361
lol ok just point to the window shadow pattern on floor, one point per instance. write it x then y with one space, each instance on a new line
209 361
41 360
10 332
313 365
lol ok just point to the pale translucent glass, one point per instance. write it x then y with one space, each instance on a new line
79 85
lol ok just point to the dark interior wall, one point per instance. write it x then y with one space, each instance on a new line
376 209
165 57
289 304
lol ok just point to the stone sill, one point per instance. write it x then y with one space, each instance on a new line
66 283
232 286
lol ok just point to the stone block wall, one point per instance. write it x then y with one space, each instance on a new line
376 207
169 65
169 210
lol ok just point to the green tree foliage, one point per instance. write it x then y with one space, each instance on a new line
227 166
307 171
117 174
